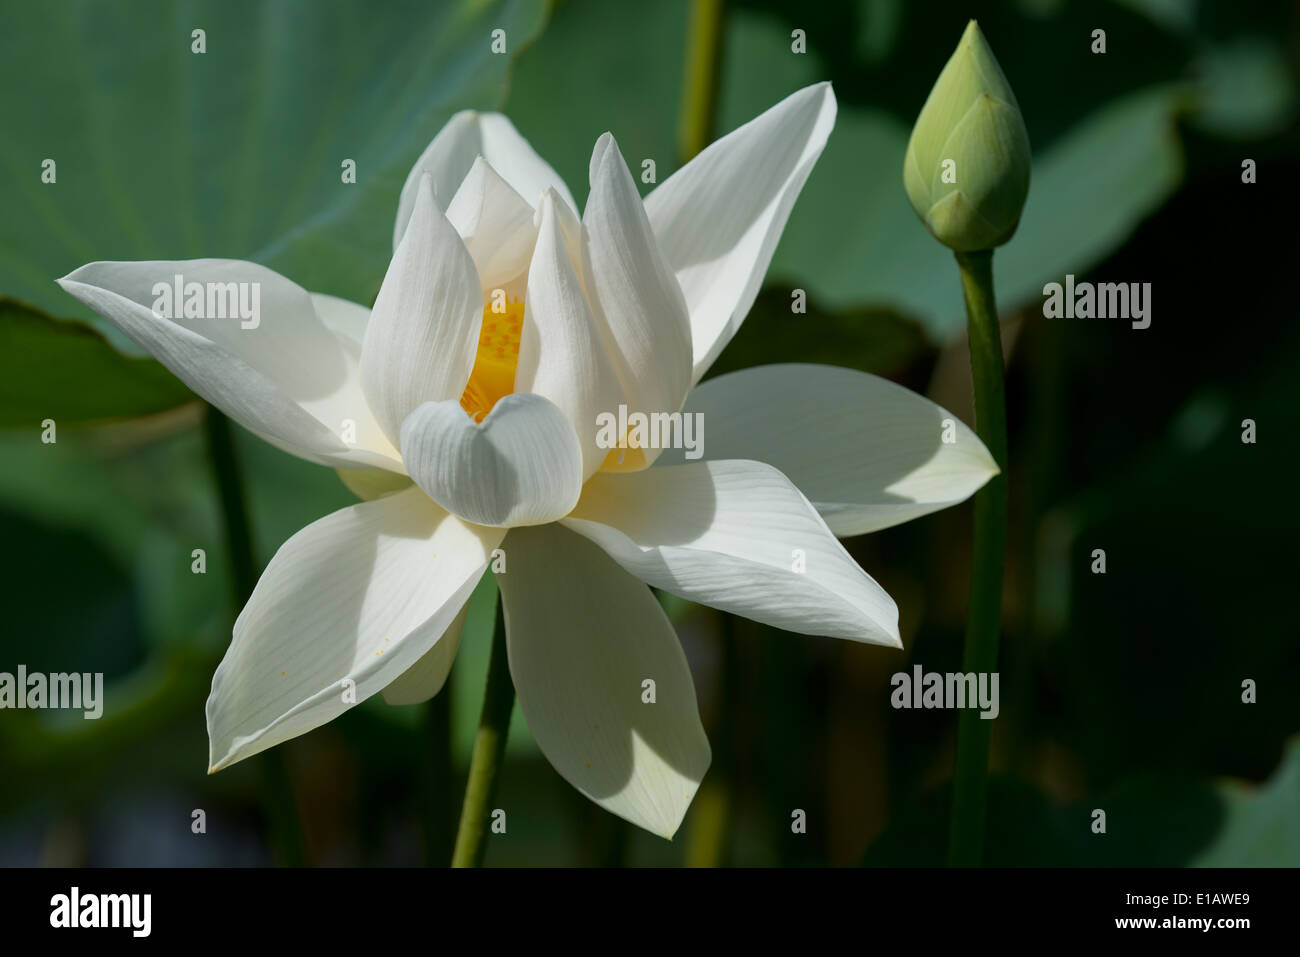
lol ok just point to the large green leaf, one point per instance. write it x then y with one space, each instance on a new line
61 370
576 84
164 153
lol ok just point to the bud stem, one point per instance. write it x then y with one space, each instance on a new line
700 85
489 752
970 776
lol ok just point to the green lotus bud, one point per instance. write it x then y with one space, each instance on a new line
967 165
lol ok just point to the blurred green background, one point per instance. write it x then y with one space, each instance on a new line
1120 691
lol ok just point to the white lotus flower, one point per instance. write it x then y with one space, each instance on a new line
471 429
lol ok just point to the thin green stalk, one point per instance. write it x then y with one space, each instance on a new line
277 792
970 777
489 753
234 511
699 116
705 34
708 841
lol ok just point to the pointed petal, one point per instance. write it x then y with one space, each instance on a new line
867 452
467 136
423 332
361 595
520 466
282 373
426 677
634 297
496 224
738 536
561 355
583 638
719 217
571 230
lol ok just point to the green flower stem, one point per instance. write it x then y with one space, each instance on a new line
277 791
708 836
489 752
708 840
699 116
970 778
234 510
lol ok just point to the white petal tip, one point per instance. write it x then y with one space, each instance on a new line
544 202
889 639
72 279
881 634
215 763
666 829
604 144
986 469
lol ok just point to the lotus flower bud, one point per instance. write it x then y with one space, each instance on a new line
967 165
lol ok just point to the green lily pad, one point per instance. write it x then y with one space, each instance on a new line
61 370
161 152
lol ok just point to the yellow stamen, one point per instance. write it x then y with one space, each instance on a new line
493 375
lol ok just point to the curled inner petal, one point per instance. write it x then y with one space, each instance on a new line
493 375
